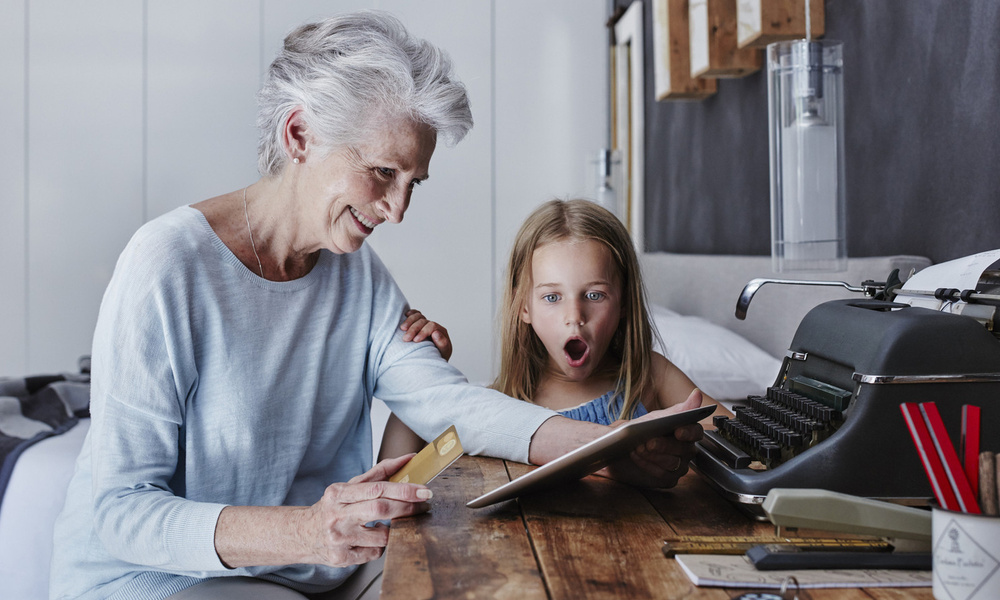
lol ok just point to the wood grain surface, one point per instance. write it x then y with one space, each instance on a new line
458 552
592 538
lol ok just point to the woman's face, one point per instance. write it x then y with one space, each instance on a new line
353 190
574 305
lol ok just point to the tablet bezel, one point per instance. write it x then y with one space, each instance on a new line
592 456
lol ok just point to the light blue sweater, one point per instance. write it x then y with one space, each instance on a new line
214 387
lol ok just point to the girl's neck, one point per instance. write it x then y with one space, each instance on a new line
556 392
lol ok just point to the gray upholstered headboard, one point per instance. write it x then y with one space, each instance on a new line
709 285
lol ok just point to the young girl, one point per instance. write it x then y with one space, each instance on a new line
575 332
576 335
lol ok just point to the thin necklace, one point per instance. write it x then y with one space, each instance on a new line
250 231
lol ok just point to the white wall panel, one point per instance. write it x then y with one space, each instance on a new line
202 74
551 105
84 166
441 254
122 127
13 253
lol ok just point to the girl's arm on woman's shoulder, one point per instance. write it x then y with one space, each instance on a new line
419 328
672 386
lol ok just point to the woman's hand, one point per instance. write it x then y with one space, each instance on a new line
658 463
661 461
347 521
418 328
335 531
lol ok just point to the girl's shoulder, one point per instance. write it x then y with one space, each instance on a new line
670 384
662 367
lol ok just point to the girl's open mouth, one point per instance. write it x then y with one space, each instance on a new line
576 351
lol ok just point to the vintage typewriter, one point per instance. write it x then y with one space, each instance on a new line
832 418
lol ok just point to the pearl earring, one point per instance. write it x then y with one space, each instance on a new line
295 160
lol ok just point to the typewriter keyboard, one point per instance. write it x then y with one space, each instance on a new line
768 430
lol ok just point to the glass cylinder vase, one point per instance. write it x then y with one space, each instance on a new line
806 134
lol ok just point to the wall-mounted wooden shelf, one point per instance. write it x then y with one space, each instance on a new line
761 22
714 51
672 54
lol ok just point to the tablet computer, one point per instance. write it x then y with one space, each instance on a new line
592 456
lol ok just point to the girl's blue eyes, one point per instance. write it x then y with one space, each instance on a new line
592 296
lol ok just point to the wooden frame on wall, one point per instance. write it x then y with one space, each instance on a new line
628 119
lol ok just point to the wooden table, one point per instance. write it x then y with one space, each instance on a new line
592 538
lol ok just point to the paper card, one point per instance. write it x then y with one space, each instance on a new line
962 274
434 458
739 572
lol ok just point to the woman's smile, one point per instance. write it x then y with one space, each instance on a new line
367 225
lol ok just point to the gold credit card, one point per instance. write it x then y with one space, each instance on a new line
434 458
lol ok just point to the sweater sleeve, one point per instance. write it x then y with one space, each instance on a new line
141 375
429 394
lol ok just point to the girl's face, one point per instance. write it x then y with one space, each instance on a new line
574 305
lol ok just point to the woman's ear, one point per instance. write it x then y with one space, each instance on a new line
295 135
525 315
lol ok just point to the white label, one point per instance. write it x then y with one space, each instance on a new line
962 566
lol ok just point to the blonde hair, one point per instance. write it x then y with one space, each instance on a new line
522 355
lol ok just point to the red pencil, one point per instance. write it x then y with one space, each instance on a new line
946 451
928 456
970 445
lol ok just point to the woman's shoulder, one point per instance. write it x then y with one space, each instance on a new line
164 245
183 225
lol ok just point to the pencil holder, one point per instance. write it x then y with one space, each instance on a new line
966 555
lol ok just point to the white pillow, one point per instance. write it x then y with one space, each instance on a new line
722 363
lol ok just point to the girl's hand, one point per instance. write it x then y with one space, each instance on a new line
338 523
418 328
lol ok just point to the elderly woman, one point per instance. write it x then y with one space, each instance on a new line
241 340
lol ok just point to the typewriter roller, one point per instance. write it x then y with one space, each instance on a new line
832 419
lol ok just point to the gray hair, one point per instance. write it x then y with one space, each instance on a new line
350 72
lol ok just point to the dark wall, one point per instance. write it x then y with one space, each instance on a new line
922 121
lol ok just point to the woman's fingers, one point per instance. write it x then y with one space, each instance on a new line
352 517
693 401
383 470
